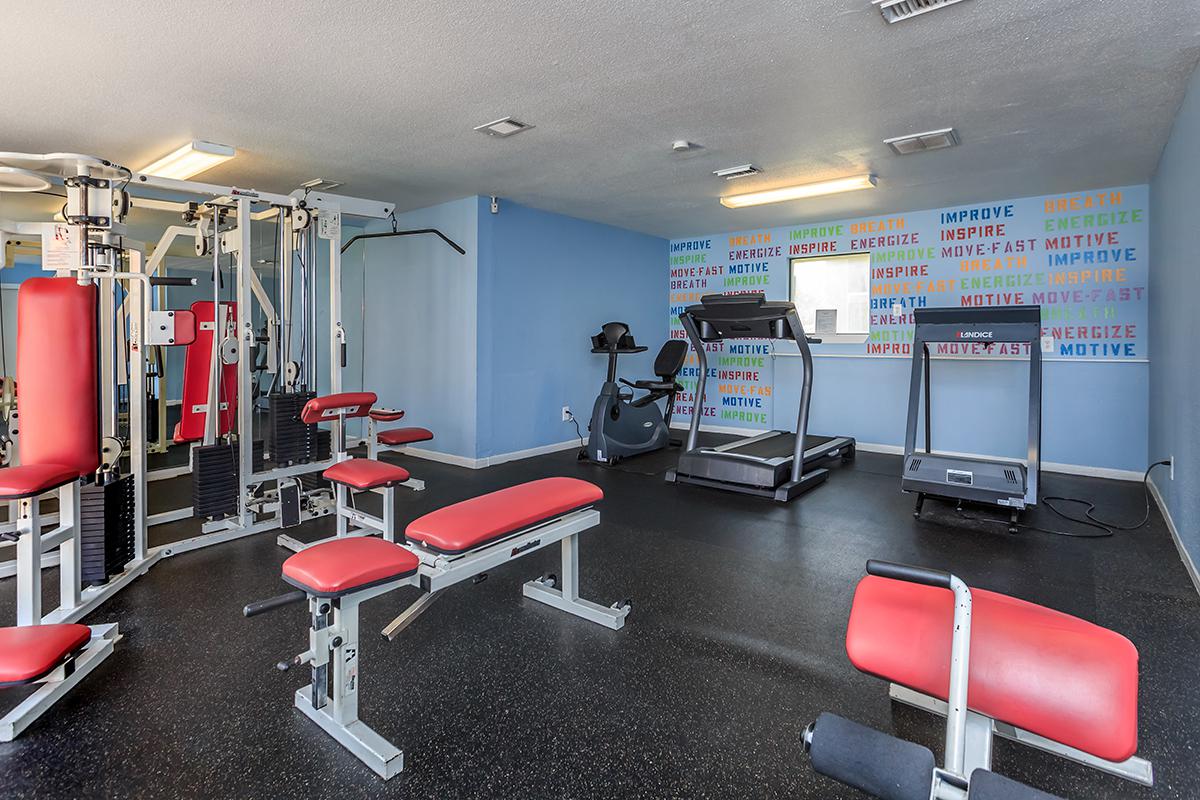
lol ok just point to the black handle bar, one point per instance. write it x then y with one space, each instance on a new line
272 603
907 572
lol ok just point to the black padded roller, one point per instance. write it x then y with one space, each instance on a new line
876 763
907 572
987 785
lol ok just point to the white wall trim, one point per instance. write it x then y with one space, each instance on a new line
1184 555
897 450
487 461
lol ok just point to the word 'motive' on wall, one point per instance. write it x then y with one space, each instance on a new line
1081 257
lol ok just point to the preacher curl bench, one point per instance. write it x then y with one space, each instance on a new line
992 665
440 549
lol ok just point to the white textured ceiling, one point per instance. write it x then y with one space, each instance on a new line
1049 96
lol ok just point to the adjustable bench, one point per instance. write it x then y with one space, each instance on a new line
445 547
349 475
993 665
393 440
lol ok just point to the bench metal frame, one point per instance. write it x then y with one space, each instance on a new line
375 447
59 681
334 631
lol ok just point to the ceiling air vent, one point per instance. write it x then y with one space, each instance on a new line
743 171
504 128
922 142
900 10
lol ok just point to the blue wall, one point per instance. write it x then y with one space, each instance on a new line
546 284
1174 325
420 304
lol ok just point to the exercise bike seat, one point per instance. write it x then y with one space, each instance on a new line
651 386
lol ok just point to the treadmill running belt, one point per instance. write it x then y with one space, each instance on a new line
779 446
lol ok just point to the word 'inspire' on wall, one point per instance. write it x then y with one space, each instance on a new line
1081 257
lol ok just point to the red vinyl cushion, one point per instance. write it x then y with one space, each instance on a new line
197 371
353 404
30 480
343 565
472 523
366 473
185 327
56 374
1038 669
399 436
386 414
30 651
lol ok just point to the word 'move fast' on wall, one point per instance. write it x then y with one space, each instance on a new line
1081 257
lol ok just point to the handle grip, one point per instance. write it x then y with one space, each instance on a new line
343 355
272 603
906 572
163 280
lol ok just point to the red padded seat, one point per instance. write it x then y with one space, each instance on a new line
332 406
31 651
398 436
386 414
366 473
473 523
345 565
1035 668
30 480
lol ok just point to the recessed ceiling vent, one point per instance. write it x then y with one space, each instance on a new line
504 128
900 10
743 171
922 142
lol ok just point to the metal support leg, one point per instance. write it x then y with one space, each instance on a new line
70 575
567 598
29 562
340 490
389 513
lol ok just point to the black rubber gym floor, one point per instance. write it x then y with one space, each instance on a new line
734 644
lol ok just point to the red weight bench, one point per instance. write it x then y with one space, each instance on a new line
350 475
443 548
1035 676
393 440
60 444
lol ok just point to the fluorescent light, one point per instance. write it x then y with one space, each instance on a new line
799 192
193 158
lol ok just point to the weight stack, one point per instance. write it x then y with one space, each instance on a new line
289 439
324 449
215 481
106 529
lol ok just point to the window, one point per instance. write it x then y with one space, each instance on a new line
833 296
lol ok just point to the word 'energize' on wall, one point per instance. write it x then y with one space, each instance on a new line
1080 257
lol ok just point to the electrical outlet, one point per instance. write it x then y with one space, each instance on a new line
566 414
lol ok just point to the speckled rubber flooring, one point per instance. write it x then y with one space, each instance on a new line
735 643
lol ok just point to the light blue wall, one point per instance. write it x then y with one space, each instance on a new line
1174 323
420 304
546 284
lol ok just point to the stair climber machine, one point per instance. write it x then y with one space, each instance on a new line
621 425
778 464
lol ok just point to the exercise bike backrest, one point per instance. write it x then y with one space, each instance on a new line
670 359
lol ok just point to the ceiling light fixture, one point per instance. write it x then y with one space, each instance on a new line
740 171
193 158
899 10
800 192
504 127
923 142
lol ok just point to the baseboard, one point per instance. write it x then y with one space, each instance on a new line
683 426
1184 555
517 455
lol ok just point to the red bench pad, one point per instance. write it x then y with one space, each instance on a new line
473 523
386 414
29 652
331 406
399 436
30 480
366 473
1038 669
345 565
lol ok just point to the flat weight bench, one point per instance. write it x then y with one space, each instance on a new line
445 547
349 475
992 665
393 440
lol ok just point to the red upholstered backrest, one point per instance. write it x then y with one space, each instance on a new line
349 404
1038 669
57 388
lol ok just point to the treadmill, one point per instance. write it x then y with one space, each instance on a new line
1008 483
778 464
